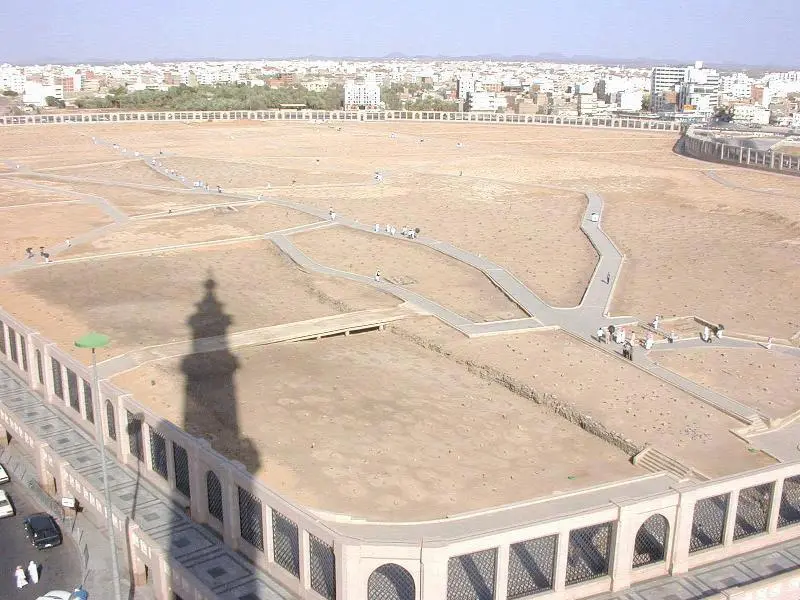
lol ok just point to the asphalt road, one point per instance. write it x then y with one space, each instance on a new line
60 567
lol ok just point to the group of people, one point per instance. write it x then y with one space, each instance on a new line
22 577
619 336
45 255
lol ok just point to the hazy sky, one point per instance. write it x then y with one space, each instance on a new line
760 33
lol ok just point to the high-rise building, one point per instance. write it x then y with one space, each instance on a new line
700 90
362 94
663 81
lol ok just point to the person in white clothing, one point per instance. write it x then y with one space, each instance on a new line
33 572
22 581
378 276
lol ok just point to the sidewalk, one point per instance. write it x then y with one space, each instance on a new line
88 535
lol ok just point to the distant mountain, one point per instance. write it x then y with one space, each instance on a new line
552 57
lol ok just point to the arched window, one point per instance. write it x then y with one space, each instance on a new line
111 420
390 582
651 541
214 489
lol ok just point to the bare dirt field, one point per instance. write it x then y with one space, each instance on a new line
621 397
36 221
143 301
349 425
444 280
207 225
766 380
123 171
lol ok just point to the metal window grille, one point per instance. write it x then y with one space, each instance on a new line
23 353
531 566
111 420
286 543
58 383
88 407
471 576
12 344
2 337
135 441
214 491
708 523
651 541
72 389
180 460
39 366
158 453
588 553
251 525
789 512
752 511
322 566
391 582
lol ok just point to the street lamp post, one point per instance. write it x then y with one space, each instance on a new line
95 341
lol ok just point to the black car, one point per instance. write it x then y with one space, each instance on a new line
42 531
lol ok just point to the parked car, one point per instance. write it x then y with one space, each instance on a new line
6 508
42 531
4 478
60 595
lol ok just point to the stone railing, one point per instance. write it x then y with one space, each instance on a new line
340 116
701 144
573 545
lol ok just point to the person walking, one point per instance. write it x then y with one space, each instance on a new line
22 581
33 572
608 278
378 276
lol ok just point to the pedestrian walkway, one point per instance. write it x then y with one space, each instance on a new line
709 580
184 541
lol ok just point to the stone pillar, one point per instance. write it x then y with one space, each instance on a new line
682 536
231 532
501 573
730 518
722 151
624 538
741 153
170 463
562 550
197 481
433 583
775 506
748 155
269 542
147 460
305 559
138 572
5 333
3 436
771 160
780 166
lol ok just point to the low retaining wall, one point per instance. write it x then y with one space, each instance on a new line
340 116
696 145
577 545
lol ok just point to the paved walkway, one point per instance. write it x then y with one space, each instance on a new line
707 581
227 574
286 332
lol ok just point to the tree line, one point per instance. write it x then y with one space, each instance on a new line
215 98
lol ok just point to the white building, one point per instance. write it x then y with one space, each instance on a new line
587 104
700 90
36 94
751 113
630 100
736 87
466 85
362 94
486 101
663 80
12 78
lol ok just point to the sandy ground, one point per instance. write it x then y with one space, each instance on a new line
33 225
349 425
124 171
619 396
211 224
767 381
142 301
446 281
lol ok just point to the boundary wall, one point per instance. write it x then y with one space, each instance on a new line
339 116
698 143
567 546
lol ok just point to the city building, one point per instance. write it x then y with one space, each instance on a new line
700 90
362 94
663 82
751 113
36 93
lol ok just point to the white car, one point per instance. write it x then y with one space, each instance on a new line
4 478
6 509
57 595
